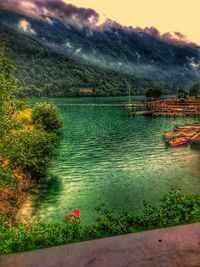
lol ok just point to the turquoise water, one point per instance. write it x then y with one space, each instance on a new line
107 157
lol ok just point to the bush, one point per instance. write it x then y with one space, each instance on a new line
47 116
29 237
175 209
29 150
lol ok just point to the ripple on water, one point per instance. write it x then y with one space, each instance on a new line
105 156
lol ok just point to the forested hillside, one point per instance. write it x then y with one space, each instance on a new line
55 59
43 72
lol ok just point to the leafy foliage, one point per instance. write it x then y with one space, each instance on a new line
20 143
7 88
28 237
175 208
47 116
30 150
25 150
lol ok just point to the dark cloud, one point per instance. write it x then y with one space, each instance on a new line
65 11
176 38
180 35
56 8
81 17
149 30
10 4
169 37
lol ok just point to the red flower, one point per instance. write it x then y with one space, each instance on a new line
69 215
77 213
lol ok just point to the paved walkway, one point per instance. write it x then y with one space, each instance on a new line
170 247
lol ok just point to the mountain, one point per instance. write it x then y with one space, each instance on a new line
55 58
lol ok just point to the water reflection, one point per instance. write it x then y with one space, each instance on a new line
47 192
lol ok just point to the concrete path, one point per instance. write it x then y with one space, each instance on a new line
169 247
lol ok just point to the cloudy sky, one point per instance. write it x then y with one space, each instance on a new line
168 16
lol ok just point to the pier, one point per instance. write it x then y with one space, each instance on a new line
141 113
166 113
168 108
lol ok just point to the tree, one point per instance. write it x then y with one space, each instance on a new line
182 94
195 90
47 116
154 93
7 89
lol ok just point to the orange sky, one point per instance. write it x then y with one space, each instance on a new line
166 15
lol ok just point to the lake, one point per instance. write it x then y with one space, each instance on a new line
107 157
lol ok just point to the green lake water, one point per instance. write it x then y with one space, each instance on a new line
107 157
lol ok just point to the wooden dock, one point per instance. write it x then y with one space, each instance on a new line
166 113
176 113
141 113
167 108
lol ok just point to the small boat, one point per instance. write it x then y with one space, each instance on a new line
178 142
189 133
172 135
187 128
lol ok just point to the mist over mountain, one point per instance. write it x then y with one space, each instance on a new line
74 51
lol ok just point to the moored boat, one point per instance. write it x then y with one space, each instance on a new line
172 135
178 141
186 128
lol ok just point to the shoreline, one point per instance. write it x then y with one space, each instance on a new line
12 199
23 214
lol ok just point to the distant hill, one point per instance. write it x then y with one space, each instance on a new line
53 58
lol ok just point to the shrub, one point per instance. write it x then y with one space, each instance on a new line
47 116
175 208
30 150
29 237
